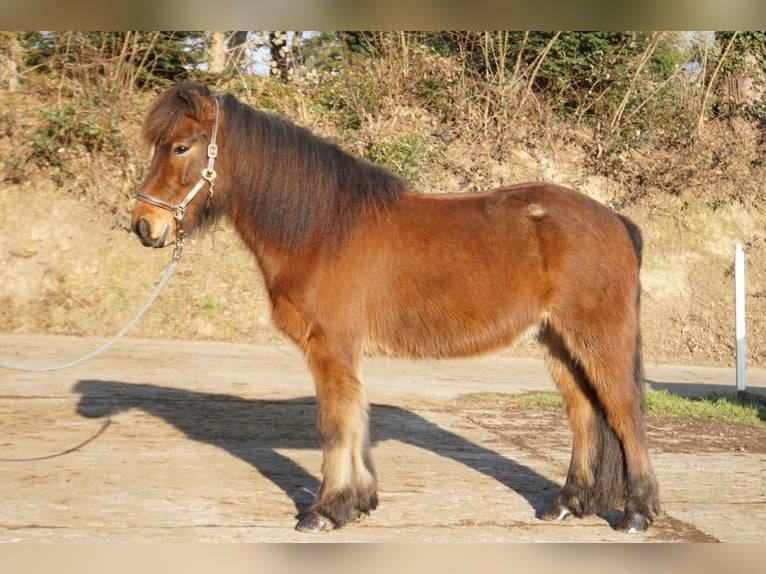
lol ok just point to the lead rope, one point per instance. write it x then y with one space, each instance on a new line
208 177
166 274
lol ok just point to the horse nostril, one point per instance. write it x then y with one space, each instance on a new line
144 228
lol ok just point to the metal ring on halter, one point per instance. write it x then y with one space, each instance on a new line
209 174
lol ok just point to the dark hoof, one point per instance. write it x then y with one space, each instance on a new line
557 513
314 522
634 523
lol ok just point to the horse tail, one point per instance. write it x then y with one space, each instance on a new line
638 246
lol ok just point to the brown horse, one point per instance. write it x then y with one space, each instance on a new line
355 262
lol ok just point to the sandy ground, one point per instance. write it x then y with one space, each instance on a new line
198 441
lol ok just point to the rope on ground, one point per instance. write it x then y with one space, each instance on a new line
90 439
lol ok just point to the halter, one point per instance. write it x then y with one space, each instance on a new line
208 176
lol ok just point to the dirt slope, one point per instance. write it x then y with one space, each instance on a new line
70 265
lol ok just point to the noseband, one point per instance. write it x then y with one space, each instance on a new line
208 176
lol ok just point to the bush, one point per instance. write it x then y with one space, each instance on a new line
405 154
84 126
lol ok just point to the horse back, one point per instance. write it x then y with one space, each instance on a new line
460 274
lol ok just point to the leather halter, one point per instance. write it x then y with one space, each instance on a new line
208 176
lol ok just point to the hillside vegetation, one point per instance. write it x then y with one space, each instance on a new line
671 136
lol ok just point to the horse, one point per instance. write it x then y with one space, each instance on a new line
356 262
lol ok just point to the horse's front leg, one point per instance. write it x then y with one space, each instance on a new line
349 486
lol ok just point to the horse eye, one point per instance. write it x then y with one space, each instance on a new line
180 150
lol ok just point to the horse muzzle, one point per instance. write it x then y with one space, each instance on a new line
151 235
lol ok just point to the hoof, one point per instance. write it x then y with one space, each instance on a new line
634 523
557 513
314 522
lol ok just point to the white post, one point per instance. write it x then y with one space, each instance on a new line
739 304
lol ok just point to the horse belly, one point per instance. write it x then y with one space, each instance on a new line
425 337
450 304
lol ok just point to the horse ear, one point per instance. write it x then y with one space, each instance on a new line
197 100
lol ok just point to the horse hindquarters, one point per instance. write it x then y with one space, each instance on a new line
593 338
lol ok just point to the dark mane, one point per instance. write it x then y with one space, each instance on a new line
168 110
293 182
286 180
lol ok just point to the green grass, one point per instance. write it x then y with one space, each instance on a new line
741 408
549 402
207 307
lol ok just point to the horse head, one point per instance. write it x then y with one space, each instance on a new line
182 126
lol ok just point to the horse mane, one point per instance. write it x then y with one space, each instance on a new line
168 111
287 182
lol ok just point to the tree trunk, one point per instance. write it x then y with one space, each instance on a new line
10 59
237 50
745 87
217 60
278 50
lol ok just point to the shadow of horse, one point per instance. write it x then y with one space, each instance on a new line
255 430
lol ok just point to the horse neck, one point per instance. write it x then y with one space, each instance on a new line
282 190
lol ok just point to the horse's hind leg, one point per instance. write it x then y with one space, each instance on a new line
576 498
348 490
601 387
622 402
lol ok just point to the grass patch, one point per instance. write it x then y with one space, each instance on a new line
207 307
736 407
740 408
549 402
